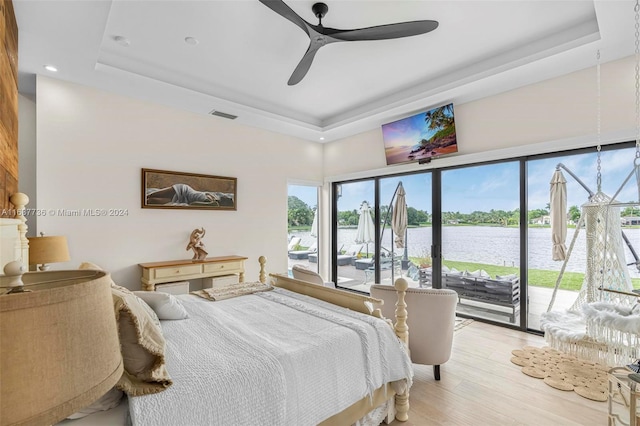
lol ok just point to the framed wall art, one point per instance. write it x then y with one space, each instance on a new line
163 189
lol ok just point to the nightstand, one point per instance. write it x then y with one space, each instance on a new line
624 398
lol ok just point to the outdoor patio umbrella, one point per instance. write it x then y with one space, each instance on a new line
366 232
314 224
558 192
399 219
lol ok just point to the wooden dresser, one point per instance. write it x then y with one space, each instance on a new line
181 270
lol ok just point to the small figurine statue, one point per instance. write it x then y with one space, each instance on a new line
196 244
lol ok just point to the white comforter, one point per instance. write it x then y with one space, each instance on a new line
273 358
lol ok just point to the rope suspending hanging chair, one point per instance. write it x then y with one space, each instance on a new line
603 324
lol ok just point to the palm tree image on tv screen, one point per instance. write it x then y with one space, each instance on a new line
421 137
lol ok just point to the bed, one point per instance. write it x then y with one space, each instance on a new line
290 355
346 379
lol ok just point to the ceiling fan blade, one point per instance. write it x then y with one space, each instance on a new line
286 12
304 65
382 32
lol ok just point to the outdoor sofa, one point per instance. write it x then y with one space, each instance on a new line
499 295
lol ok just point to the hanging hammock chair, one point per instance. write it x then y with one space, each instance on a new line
603 324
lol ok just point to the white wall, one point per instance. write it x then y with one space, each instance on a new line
92 146
27 155
552 115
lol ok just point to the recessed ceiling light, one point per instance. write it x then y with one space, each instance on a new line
122 41
191 40
321 138
50 68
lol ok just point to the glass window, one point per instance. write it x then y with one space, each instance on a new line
413 255
481 239
355 200
302 226
480 234
580 173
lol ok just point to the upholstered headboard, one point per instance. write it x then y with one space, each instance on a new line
13 234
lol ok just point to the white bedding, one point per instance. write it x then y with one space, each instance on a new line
276 358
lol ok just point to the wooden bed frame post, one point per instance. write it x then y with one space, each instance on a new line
263 275
20 200
402 331
401 327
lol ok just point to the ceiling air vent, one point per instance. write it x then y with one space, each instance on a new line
223 114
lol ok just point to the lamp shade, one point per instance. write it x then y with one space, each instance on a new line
49 249
59 347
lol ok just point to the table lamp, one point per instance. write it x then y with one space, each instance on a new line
59 347
47 249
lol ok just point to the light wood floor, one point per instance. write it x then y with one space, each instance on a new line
480 386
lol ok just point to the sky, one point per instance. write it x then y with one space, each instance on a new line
308 194
495 186
407 132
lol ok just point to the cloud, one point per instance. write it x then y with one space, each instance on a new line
483 188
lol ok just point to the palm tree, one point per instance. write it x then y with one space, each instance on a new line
440 117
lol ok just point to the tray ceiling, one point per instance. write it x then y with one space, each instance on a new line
241 55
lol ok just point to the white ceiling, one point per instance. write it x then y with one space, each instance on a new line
246 53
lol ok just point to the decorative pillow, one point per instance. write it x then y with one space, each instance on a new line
165 305
479 273
93 266
142 345
89 265
510 277
141 342
454 271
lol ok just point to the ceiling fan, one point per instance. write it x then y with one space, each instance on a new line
320 36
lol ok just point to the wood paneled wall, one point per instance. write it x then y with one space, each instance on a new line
8 106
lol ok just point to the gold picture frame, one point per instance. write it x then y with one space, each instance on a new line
164 189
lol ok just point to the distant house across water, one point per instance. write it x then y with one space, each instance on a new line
542 220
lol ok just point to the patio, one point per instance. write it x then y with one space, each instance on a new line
351 278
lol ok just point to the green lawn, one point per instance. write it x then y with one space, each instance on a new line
301 228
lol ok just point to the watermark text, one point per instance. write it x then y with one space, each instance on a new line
100 212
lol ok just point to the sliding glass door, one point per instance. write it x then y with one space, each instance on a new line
486 231
548 268
406 255
481 239
355 202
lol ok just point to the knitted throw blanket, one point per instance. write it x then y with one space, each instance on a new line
232 290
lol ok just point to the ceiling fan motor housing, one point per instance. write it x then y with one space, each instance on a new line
319 10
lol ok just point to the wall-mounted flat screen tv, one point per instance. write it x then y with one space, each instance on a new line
420 137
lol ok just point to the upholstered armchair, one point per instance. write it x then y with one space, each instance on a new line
303 274
431 320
